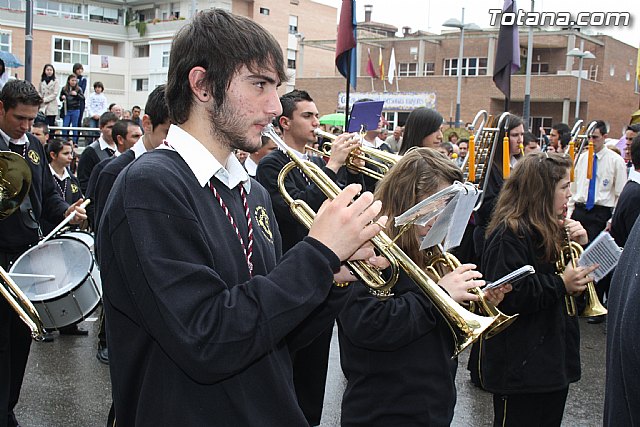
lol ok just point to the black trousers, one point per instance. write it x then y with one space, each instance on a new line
529 409
15 343
310 376
594 221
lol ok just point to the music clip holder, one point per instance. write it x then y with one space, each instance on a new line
365 116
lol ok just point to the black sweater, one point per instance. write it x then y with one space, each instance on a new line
193 340
626 212
396 355
540 351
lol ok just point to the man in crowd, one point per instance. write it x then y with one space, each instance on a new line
19 103
98 150
198 302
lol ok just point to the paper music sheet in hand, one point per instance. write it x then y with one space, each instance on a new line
430 207
603 251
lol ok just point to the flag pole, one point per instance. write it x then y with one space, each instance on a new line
346 105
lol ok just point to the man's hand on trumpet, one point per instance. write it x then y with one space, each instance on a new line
344 224
340 149
365 253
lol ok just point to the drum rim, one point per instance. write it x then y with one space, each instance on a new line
54 295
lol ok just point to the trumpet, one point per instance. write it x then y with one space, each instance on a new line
465 326
571 252
379 161
440 263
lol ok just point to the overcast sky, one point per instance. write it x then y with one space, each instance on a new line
429 14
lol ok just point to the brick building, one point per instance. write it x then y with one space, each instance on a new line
427 71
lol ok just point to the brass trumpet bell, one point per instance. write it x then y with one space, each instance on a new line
441 263
15 181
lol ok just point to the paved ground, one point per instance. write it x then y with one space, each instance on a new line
66 386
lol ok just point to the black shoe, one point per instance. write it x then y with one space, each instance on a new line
103 355
596 319
73 330
47 337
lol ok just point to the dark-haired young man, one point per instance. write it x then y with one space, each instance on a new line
19 103
201 315
298 121
98 150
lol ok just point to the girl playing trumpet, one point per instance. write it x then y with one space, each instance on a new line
397 353
530 365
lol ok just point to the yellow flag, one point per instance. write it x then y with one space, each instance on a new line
381 65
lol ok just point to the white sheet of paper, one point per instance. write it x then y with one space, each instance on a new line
603 251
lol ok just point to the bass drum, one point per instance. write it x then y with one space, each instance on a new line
57 276
87 239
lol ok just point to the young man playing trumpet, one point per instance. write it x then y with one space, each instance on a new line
202 312
298 121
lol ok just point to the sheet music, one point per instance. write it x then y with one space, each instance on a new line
603 251
430 207
461 216
442 225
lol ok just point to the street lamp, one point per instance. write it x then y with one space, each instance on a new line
454 23
578 53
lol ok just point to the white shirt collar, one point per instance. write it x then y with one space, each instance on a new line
202 163
64 176
251 166
23 140
634 176
104 144
138 148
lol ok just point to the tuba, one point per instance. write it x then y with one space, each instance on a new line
571 252
580 138
441 263
380 161
15 181
465 326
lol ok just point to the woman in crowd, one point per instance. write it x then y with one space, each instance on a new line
49 89
396 353
528 367
73 99
423 129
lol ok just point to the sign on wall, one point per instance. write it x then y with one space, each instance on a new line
400 101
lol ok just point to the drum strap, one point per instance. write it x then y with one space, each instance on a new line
26 208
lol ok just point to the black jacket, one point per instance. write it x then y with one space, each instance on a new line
622 397
15 234
299 189
74 102
88 160
72 194
397 357
626 212
540 351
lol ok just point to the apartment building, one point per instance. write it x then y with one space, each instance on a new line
126 44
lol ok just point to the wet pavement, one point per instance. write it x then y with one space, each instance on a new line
65 385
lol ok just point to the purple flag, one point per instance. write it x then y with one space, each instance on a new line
508 53
346 42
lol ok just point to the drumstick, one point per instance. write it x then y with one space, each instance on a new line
64 222
36 276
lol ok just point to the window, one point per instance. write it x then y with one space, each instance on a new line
536 122
165 59
141 84
291 59
105 49
429 68
593 72
470 67
103 14
5 42
407 69
11 5
54 8
141 51
538 68
70 51
293 24
264 11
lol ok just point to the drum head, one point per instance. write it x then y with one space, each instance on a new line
86 238
67 261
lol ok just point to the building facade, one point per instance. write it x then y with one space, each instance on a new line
126 45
